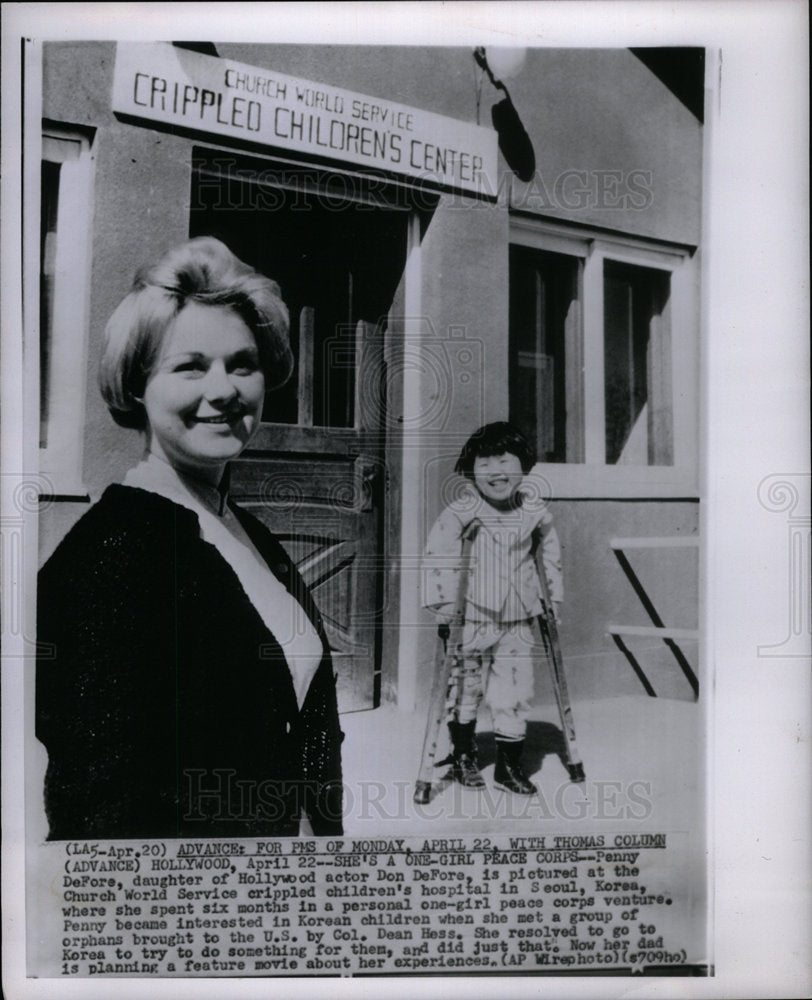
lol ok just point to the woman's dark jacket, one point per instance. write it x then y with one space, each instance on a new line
165 704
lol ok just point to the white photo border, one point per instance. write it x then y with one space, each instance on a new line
756 363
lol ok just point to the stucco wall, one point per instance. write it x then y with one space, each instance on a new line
593 110
596 111
141 189
598 592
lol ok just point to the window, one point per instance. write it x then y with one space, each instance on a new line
65 211
544 330
48 213
593 374
637 375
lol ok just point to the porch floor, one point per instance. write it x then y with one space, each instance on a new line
644 763
642 757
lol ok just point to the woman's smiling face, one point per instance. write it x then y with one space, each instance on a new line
204 397
497 477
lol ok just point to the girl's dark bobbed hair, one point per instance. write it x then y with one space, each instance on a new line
495 439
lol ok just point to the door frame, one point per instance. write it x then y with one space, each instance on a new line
400 535
410 493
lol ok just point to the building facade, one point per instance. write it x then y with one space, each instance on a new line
435 284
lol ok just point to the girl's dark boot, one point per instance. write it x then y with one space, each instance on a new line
466 769
509 773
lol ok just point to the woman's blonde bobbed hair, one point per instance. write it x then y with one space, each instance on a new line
205 271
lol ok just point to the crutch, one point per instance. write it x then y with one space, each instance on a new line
448 643
549 634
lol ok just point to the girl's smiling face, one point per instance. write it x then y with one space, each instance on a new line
497 477
204 397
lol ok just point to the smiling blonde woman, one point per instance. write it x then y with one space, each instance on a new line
189 689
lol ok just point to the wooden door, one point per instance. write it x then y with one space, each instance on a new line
321 490
315 473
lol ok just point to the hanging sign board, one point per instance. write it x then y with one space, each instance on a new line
163 83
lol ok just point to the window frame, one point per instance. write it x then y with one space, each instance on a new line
60 460
573 366
593 477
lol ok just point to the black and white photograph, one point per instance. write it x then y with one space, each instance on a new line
376 503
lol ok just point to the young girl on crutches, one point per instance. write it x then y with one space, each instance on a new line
503 595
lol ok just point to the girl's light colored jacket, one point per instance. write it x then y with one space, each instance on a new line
503 579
